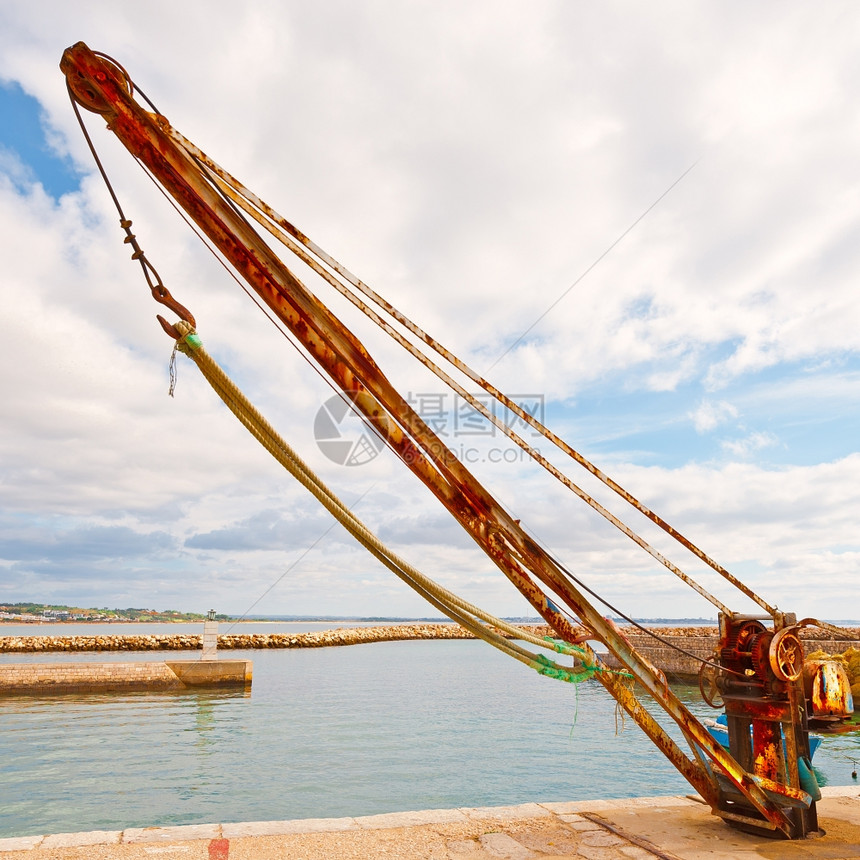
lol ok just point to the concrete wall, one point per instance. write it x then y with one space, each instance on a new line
206 673
50 678
674 663
667 658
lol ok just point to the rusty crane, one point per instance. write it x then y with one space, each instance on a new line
763 781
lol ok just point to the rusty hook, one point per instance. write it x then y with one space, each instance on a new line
162 295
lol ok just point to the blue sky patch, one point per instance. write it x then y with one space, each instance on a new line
22 134
785 415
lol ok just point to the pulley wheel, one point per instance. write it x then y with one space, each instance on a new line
786 655
708 687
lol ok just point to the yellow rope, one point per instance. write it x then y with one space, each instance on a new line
465 613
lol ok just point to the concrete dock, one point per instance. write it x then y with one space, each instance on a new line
52 678
671 828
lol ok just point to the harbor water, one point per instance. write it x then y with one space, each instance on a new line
328 732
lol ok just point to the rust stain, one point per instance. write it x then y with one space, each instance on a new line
828 689
219 849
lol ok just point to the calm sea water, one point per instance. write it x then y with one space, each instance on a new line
330 732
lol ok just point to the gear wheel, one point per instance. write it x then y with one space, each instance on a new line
736 652
760 654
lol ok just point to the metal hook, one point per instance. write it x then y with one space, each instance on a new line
162 295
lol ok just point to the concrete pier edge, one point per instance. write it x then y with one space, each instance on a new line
115 676
547 811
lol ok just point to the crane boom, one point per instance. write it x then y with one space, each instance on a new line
734 785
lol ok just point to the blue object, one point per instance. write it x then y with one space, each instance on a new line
720 734
808 782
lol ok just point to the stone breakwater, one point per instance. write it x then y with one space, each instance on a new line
240 641
699 642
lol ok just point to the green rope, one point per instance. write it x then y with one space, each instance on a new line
190 343
562 647
544 666
575 711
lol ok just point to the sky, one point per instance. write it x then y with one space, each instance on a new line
639 220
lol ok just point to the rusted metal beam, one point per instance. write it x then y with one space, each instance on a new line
271 220
270 215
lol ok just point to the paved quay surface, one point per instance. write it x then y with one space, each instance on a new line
671 828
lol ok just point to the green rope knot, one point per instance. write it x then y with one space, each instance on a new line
191 342
544 666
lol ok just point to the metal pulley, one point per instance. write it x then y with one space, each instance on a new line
786 655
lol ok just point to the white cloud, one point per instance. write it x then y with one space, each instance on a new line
13 170
710 414
470 163
749 445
